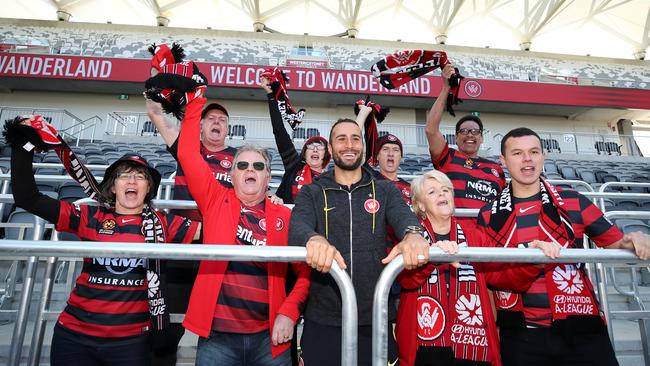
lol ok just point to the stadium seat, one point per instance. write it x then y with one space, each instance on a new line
49 171
21 217
550 167
311 132
5 151
299 133
237 131
382 133
71 191
588 177
627 205
568 173
166 169
636 227
450 138
551 145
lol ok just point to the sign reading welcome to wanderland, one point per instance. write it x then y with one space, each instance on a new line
323 80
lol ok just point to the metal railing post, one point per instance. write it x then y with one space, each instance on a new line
39 326
380 304
18 337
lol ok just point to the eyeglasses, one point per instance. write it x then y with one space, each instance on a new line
316 147
470 131
129 176
258 165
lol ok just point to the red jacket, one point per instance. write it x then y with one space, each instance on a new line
221 209
412 280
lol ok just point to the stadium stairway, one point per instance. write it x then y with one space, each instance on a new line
626 333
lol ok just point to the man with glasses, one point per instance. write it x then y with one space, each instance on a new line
240 310
219 156
476 180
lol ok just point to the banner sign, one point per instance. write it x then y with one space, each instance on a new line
324 80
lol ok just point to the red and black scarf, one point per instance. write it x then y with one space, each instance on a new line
566 284
177 82
42 136
455 314
377 115
279 82
403 66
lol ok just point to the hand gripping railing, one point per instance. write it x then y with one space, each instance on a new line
380 303
196 252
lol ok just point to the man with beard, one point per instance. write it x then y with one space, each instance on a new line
476 180
343 215
219 156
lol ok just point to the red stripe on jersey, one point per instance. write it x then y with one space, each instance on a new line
108 307
126 276
106 331
231 288
476 181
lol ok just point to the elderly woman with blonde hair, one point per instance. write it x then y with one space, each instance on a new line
445 315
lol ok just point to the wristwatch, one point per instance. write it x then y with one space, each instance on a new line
413 230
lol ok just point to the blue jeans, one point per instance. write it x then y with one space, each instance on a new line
235 349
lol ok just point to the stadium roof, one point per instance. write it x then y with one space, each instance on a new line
606 28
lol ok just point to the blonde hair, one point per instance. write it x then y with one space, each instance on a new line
417 187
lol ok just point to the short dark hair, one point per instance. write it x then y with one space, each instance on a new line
518 132
338 122
469 117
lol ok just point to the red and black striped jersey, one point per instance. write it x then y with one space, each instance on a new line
476 181
220 163
243 302
110 295
586 219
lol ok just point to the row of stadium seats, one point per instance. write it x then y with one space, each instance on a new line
126 44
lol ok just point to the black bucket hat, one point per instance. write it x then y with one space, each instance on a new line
137 160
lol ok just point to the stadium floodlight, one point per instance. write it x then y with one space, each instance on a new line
63 15
639 55
162 21
525 46
441 38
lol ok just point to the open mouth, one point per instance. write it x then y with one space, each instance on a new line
528 170
443 203
131 193
250 180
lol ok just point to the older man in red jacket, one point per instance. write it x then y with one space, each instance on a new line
240 310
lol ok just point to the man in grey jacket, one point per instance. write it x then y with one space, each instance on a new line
343 216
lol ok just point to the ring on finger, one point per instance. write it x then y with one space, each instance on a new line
421 257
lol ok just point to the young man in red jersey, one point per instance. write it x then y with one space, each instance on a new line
476 180
551 317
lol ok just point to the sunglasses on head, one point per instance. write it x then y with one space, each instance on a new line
258 165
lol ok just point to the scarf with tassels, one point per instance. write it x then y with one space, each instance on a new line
278 80
568 287
403 66
453 311
42 136
377 115
176 82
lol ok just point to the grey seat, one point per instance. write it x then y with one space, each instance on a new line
21 217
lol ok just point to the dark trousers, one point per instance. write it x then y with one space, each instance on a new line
442 356
73 349
548 346
321 345
164 345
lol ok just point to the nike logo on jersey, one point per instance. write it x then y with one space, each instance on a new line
524 210
210 156
126 221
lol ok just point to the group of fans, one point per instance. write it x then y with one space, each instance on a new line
245 313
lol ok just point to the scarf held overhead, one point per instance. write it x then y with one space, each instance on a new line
279 80
43 136
568 287
403 66
377 115
176 82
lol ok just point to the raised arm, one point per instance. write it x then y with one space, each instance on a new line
435 138
167 127
25 191
283 141
200 179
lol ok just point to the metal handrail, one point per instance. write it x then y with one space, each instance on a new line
390 272
196 252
